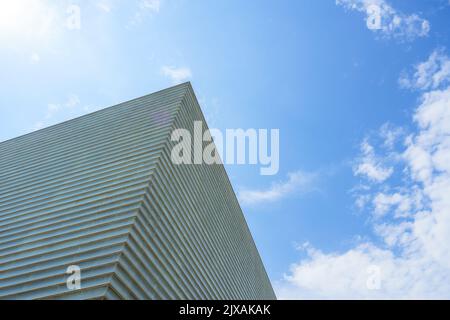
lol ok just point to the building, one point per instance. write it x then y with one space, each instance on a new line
101 193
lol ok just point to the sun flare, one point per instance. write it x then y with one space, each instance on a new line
24 18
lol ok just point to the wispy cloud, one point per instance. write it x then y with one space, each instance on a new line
145 8
151 5
53 108
371 166
400 204
67 108
104 6
390 135
176 75
297 183
430 74
382 18
411 217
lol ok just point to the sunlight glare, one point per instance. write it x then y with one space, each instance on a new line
24 18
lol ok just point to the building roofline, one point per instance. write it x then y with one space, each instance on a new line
184 84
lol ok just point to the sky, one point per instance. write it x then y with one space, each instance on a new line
359 89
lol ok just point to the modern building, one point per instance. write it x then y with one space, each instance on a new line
100 193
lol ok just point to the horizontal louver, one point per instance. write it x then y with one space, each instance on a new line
101 192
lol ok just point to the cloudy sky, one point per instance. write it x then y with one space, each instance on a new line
360 90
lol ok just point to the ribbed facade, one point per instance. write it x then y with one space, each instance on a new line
102 193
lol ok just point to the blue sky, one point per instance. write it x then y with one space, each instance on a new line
353 106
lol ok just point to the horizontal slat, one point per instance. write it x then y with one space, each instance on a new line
101 192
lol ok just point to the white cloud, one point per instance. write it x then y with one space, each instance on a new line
64 110
361 201
431 74
364 272
52 109
402 204
176 75
145 8
337 276
297 182
384 19
371 166
411 218
104 6
38 125
391 135
151 5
